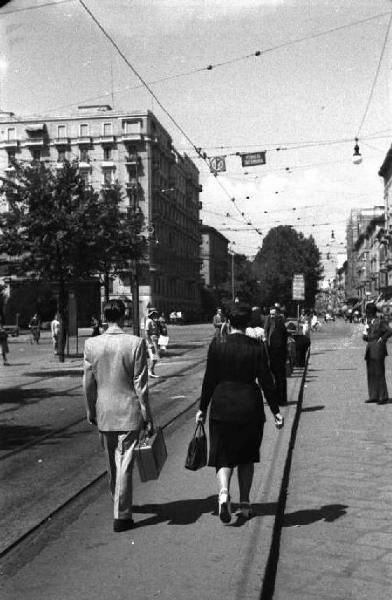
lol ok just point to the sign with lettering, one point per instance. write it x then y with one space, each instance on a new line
298 286
252 159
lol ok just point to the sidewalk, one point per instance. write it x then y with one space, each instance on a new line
336 541
178 549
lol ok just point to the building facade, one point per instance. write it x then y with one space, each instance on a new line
134 150
214 257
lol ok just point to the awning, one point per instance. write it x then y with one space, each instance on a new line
35 128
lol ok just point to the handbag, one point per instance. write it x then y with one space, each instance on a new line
196 457
151 454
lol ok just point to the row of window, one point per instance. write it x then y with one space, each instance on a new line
129 127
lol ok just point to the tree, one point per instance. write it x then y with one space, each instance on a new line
54 229
285 252
246 286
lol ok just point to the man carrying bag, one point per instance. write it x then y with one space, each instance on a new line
115 386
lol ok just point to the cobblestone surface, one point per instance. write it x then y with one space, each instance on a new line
336 541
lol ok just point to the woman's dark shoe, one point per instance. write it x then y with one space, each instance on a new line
224 506
122 525
244 511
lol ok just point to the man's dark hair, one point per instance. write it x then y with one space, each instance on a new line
114 310
239 315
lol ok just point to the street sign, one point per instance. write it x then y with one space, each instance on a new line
218 164
298 287
252 159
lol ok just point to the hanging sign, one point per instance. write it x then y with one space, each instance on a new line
218 164
298 287
252 159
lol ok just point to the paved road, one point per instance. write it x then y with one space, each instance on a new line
39 395
336 541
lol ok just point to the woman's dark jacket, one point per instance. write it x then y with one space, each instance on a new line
234 363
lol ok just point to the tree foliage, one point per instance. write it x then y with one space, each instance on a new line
285 252
57 229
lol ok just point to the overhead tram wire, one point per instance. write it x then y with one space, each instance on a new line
375 76
44 5
201 155
210 67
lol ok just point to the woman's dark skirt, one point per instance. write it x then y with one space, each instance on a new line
233 444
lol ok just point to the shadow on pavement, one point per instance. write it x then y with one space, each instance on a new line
187 512
313 408
328 513
56 373
21 396
12 436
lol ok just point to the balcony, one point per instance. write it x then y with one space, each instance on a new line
106 139
61 141
132 159
128 138
33 142
9 144
84 140
84 164
108 164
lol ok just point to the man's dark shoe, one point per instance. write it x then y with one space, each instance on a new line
371 400
384 401
122 525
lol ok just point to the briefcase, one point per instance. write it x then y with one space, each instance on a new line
151 455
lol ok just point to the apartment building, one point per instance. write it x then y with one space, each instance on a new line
133 149
214 256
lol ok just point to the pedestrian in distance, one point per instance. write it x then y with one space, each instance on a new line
376 334
276 336
35 328
4 344
151 332
96 326
115 385
55 331
163 338
237 366
217 321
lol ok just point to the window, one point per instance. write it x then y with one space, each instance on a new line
107 177
85 178
107 129
83 130
61 131
61 156
107 154
84 157
36 153
11 158
11 133
132 127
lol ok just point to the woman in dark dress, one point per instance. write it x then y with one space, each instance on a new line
236 367
376 334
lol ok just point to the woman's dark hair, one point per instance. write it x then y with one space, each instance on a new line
239 315
371 310
114 310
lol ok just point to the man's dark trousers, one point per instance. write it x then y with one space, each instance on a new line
278 369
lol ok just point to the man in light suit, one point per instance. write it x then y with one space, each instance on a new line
115 384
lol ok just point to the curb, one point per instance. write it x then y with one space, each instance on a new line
268 586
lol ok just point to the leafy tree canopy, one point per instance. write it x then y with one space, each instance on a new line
285 252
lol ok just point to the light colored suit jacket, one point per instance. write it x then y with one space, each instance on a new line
115 380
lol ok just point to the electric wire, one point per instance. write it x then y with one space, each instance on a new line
45 5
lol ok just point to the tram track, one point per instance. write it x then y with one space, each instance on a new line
167 405
16 544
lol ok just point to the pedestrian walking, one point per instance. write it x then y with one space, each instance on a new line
96 326
115 387
151 332
217 321
55 331
376 334
276 336
163 338
4 344
236 367
35 328
255 328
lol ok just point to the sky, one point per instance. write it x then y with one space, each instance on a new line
321 79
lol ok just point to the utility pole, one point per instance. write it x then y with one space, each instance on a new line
135 273
231 250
